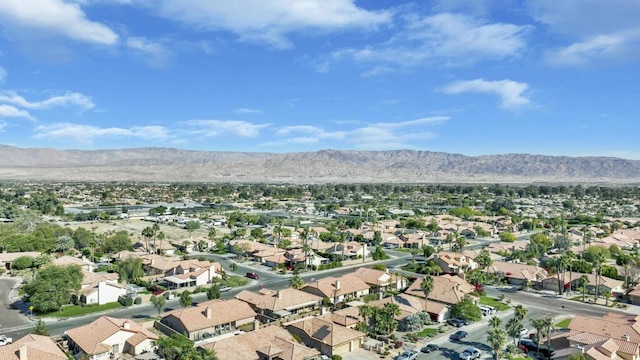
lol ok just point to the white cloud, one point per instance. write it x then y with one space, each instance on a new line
311 131
445 38
509 91
86 134
153 52
268 21
247 111
55 17
3 74
592 29
421 121
11 111
68 99
219 127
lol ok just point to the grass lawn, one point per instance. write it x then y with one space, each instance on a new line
426 332
235 281
564 323
485 300
76 310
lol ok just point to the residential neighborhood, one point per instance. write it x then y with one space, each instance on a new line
339 284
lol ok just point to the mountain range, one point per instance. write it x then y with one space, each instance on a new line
325 166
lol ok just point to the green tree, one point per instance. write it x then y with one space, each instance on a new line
466 309
53 286
186 299
130 269
497 338
495 322
514 329
366 312
64 244
414 252
213 292
148 233
179 347
539 324
212 233
582 282
158 302
484 259
192 226
41 328
520 312
233 266
296 281
507 236
427 250
22 262
427 287
390 310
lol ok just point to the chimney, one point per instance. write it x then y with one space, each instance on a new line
279 295
207 312
625 337
23 352
337 285
126 325
151 263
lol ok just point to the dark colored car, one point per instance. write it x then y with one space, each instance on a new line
252 275
455 322
458 335
430 348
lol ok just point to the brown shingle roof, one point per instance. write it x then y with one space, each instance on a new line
448 289
327 331
222 312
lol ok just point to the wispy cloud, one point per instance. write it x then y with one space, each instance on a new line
154 53
599 47
247 111
509 91
269 21
13 112
3 74
55 17
86 134
445 38
219 127
67 99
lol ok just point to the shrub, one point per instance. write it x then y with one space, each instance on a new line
398 344
22 262
336 357
125 300
138 300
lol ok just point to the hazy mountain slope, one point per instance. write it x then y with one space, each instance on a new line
398 166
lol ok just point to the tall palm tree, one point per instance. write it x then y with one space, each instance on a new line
461 242
365 312
495 322
296 281
540 326
391 310
497 338
598 263
583 281
568 257
514 328
520 312
427 287
306 249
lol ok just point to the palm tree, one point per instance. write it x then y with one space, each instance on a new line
148 234
548 325
391 310
497 338
64 243
414 252
427 287
583 281
306 249
539 325
449 239
495 322
606 294
520 312
514 328
365 312
296 281
461 242
598 262
568 258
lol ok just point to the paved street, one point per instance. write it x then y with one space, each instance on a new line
10 313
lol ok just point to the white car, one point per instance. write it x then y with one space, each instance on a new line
4 340
524 331
407 355
470 353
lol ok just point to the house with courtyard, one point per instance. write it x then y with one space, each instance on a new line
209 318
454 263
338 289
282 304
380 281
447 290
518 273
107 337
326 336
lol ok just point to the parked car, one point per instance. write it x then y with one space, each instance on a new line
470 353
487 310
225 288
407 355
524 331
430 348
455 322
5 340
531 345
253 275
458 335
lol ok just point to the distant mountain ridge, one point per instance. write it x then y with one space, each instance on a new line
325 166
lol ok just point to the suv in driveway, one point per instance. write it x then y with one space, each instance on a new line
470 353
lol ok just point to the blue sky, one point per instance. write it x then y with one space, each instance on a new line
472 77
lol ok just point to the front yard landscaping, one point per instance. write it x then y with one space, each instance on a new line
485 300
564 323
235 281
76 310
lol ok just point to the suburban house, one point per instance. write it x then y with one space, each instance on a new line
272 343
615 287
65 260
208 319
454 263
338 289
326 336
414 240
350 249
626 239
6 259
408 305
613 336
518 273
274 305
380 281
634 295
178 273
106 336
447 290
100 288
32 347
